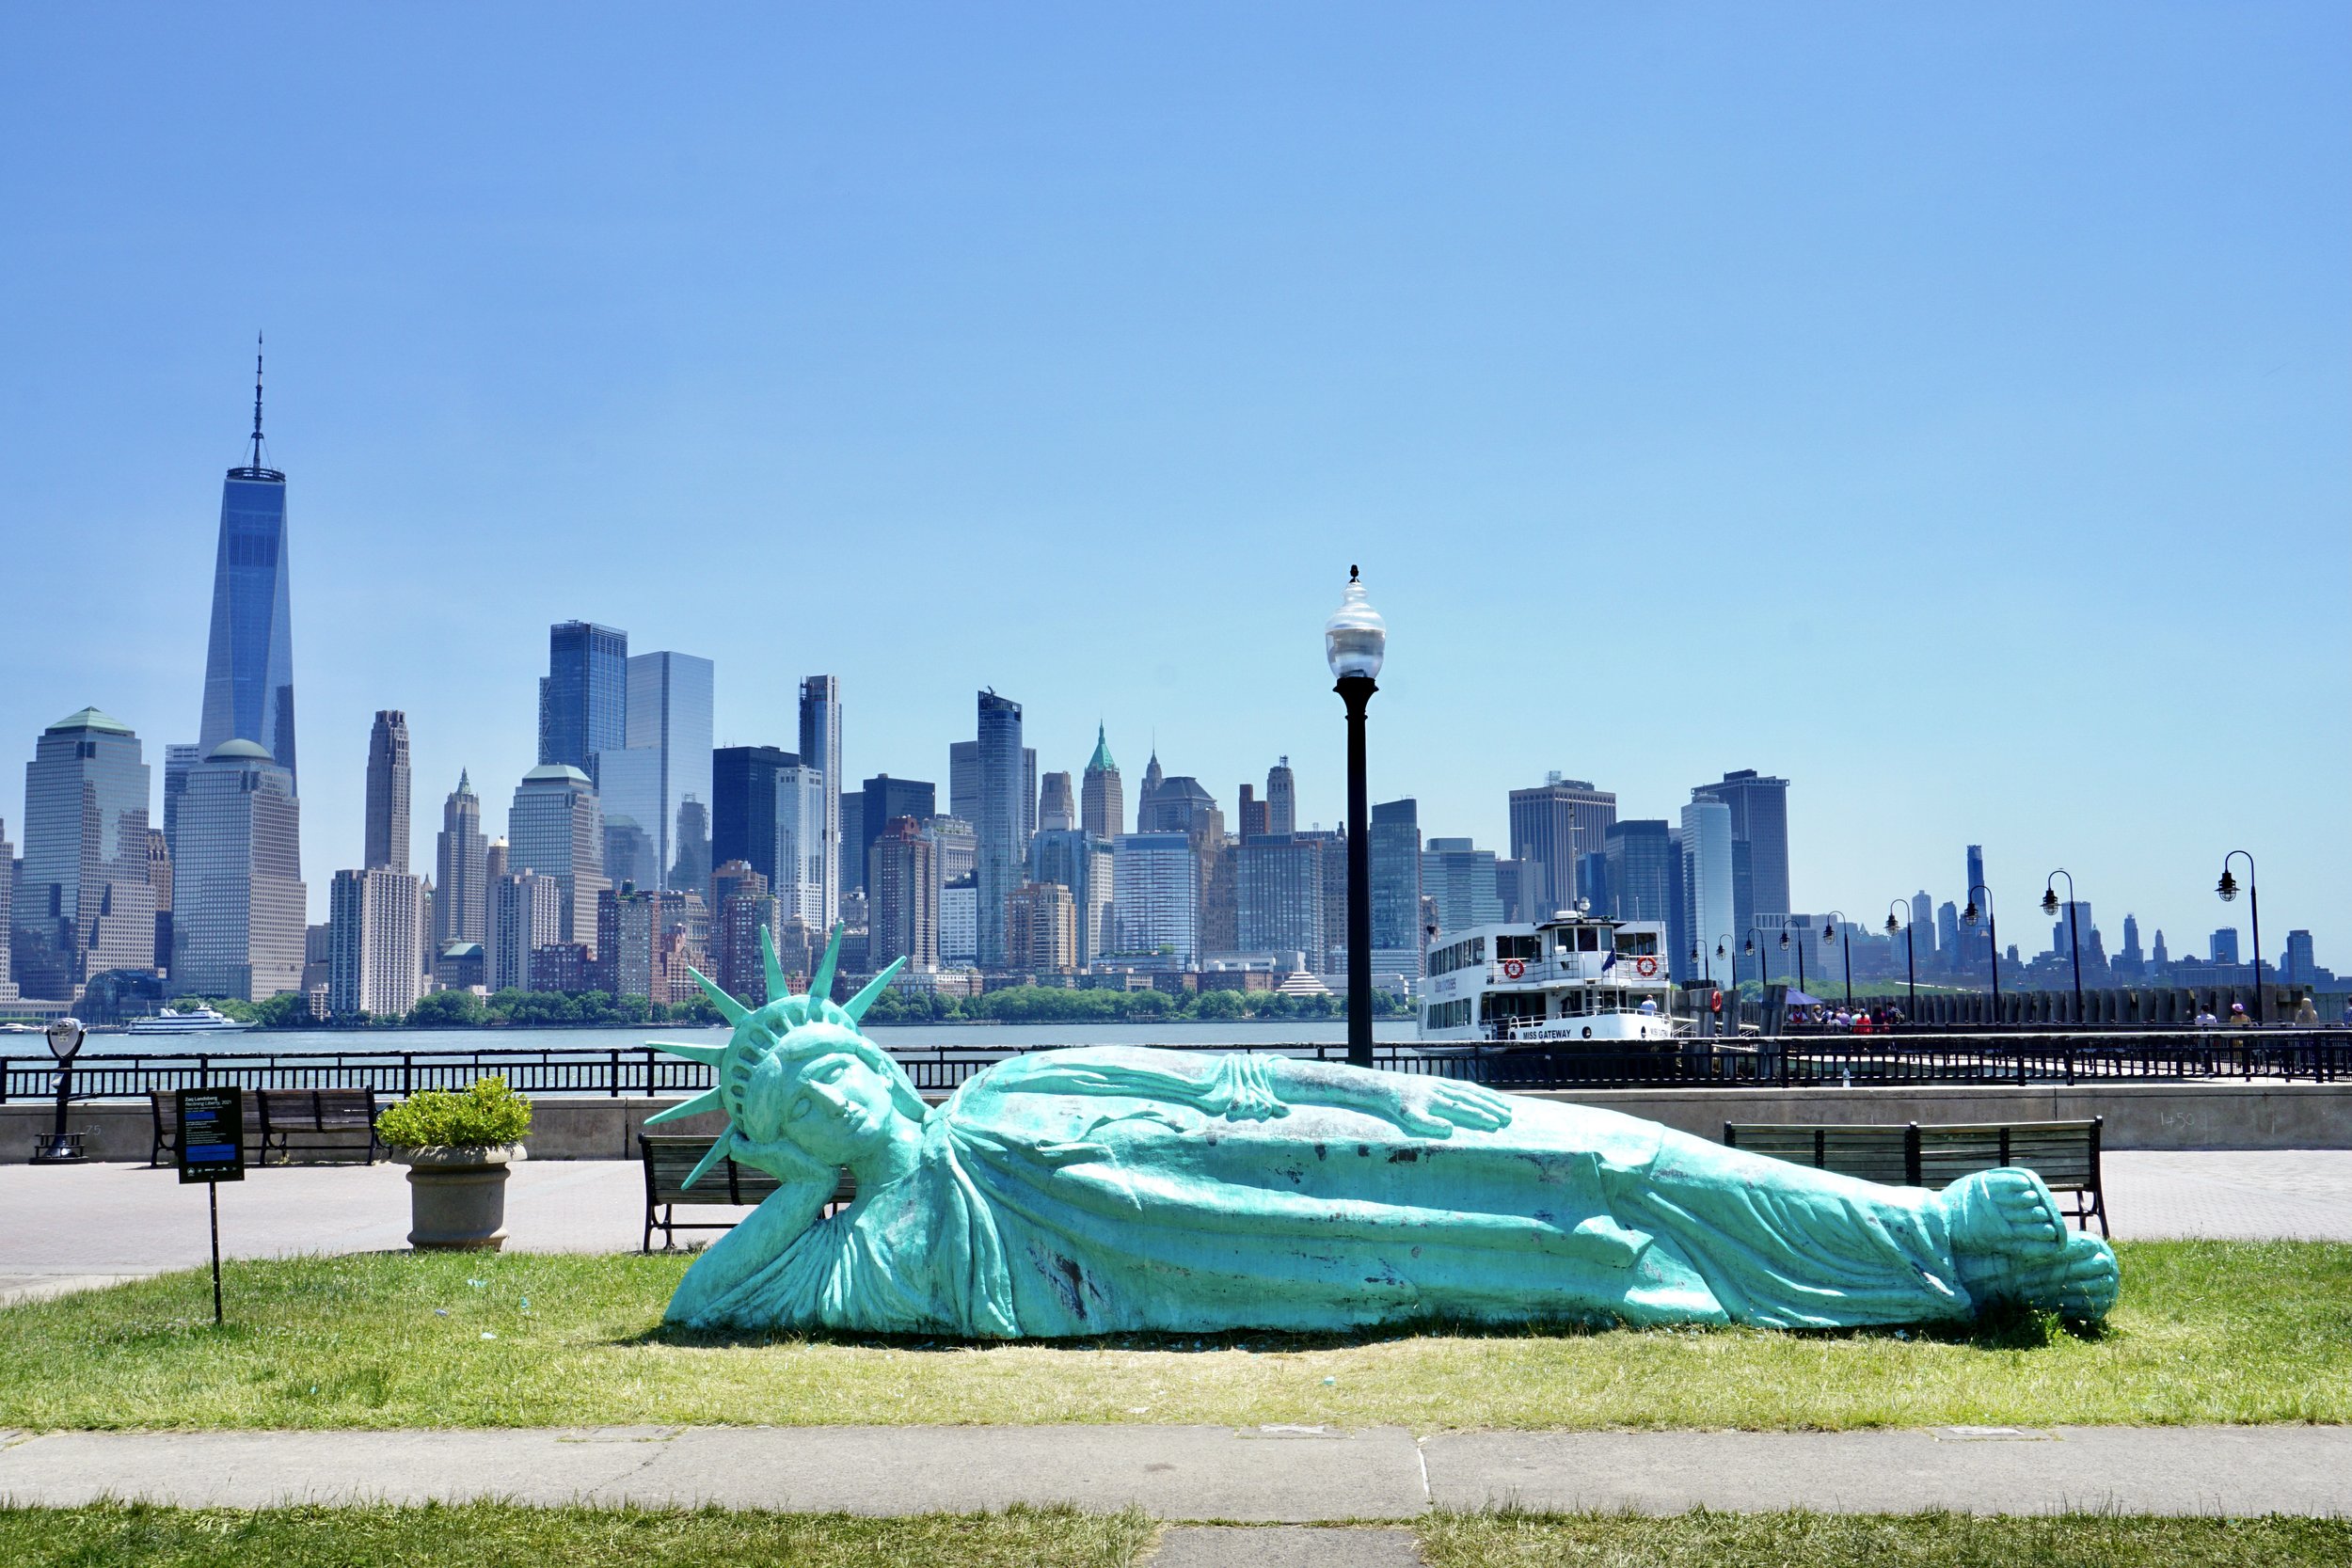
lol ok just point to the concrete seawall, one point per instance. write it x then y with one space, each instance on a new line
2204 1114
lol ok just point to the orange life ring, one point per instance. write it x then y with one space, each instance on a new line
1715 1003
1645 967
1513 968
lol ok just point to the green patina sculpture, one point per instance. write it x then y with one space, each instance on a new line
1080 1192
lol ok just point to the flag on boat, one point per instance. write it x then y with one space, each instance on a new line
1610 962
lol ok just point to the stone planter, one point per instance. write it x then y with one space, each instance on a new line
457 1197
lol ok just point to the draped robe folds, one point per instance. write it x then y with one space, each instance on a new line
1034 1211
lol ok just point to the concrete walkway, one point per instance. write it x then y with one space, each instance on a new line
1257 1475
69 1227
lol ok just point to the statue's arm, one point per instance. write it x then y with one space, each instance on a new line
1419 1103
730 1262
1243 1086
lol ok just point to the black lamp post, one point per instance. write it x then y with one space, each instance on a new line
2074 922
2227 887
1992 935
1910 967
1355 640
1784 943
62 1148
1723 941
1832 923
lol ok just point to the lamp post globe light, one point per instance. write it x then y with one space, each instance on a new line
2074 937
62 1148
1992 935
1355 641
1910 967
2227 888
1832 923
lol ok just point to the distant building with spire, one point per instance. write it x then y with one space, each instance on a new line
386 835
461 870
1282 799
248 663
1153 778
1103 806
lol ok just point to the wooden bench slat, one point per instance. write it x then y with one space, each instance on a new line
2064 1154
670 1158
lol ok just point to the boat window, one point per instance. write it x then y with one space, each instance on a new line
1519 947
1514 1005
1449 1015
1637 943
1588 939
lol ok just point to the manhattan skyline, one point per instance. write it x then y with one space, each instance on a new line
1964 407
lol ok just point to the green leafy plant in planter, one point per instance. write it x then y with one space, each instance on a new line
457 1148
487 1116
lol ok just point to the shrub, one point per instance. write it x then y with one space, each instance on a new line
487 1116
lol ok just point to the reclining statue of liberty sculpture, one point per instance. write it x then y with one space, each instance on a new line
1113 1189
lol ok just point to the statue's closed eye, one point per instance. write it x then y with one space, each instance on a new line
801 1107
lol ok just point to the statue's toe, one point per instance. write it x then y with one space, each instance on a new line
2008 1212
2092 1280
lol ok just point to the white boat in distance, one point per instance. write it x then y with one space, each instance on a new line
196 1020
1574 979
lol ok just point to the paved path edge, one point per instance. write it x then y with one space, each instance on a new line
1263 1475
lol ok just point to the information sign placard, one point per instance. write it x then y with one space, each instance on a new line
212 1135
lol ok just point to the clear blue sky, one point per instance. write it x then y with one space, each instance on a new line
1948 408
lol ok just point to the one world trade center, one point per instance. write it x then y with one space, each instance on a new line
249 669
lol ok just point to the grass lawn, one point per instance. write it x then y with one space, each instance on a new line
1705 1540
482 1535
486 1535
2205 1332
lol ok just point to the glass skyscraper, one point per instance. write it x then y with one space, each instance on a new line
1644 867
1396 874
1004 844
86 903
554 828
583 698
820 749
248 665
238 899
645 786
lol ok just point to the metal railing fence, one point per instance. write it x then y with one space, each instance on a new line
2135 1057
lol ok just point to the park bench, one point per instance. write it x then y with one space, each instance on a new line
322 1121
2065 1154
163 1106
670 1158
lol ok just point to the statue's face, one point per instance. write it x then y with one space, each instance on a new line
831 1106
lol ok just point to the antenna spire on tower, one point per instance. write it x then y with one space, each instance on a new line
257 400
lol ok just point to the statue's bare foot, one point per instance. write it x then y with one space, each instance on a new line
2010 1244
2078 1280
2003 1213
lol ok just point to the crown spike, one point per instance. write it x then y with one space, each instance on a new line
778 986
706 1055
723 1148
729 1008
709 1100
820 984
857 1005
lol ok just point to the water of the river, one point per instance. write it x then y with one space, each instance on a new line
953 1036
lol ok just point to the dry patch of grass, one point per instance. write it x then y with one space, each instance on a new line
488 1535
2205 1332
1705 1540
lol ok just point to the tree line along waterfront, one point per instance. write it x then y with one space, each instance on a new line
522 1009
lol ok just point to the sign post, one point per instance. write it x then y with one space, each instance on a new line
212 1151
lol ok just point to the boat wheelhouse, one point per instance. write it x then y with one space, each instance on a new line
1572 979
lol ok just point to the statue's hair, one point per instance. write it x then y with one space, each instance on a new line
799 1046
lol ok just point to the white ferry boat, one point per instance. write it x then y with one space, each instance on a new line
1569 980
196 1020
